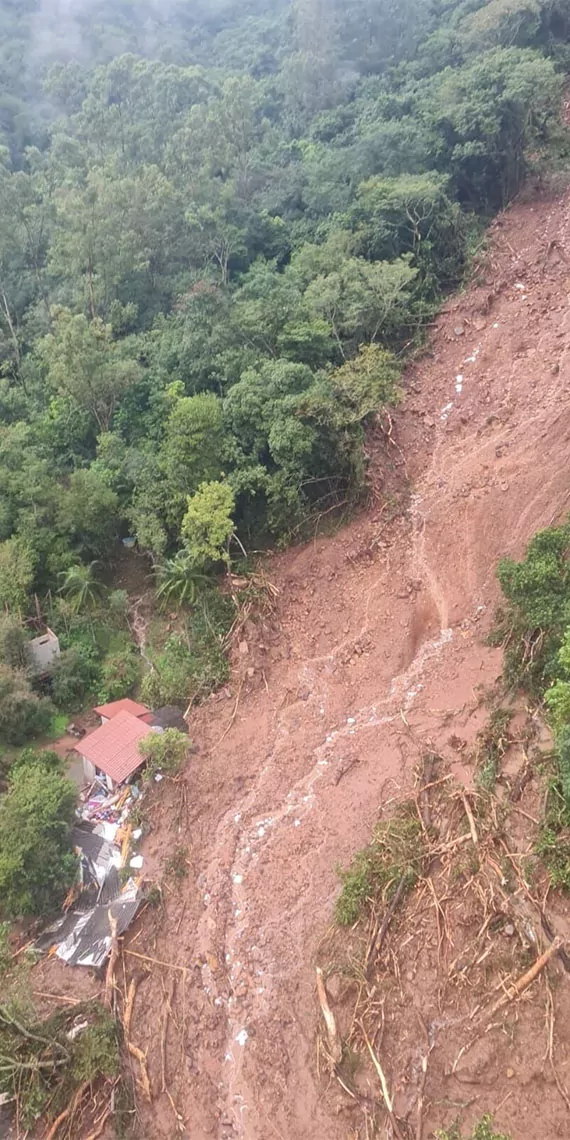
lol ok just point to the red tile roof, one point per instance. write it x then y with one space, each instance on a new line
126 705
113 748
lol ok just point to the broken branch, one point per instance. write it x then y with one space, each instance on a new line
384 1087
529 977
335 1045
157 961
110 976
141 1058
379 940
470 818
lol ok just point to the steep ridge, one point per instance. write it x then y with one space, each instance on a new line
376 648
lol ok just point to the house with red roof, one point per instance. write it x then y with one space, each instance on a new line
111 752
107 712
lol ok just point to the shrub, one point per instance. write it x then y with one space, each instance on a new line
534 622
164 751
194 665
74 675
37 862
207 525
23 714
17 568
170 684
483 1130
120 672
375 872
45 1063
13 643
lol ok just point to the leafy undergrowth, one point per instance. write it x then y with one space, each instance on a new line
492 742
65 1067
553 843
190 654
484 1130
394 855
63 1070
534 628
435 926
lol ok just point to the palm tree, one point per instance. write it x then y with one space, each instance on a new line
81 587
178 581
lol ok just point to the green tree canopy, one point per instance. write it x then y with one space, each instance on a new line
37 862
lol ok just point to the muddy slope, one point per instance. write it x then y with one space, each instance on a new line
376 647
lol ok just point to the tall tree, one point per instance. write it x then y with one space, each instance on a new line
84 362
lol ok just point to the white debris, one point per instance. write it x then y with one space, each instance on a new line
238 879
136 862
137 833
297 822
241 1037
77 1029
519 286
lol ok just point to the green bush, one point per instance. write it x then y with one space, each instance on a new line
43 1067
23 714
482 1131
73 676
120 673
171 682
536 628
195 663
164 751
537 615
13 643
37 861
373 876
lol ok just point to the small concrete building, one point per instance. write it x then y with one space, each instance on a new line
44 651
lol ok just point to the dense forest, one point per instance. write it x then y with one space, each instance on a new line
222 228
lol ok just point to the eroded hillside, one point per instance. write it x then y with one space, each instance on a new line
374 650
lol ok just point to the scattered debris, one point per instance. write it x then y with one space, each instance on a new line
466 925
85 938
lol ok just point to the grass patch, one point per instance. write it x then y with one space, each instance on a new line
492 743
176 866
553 843
396 850
57 727
483 1130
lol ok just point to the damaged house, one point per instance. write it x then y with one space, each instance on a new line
111 752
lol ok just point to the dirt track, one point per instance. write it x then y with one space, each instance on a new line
375 648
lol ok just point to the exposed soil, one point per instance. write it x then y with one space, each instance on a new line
374 650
